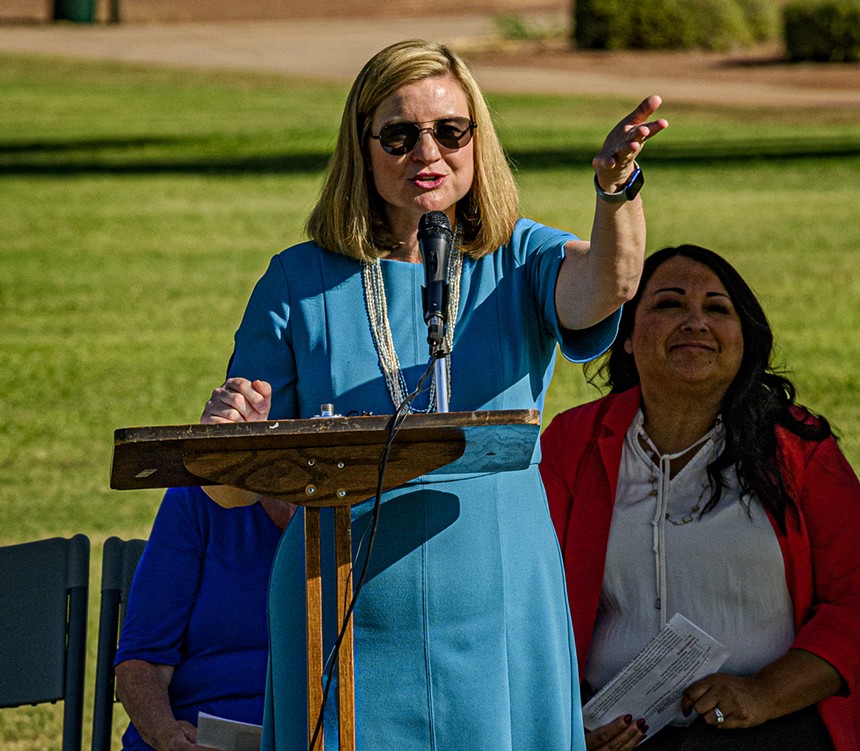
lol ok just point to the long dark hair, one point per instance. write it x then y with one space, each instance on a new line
758 399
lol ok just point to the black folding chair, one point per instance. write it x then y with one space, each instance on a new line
43 627
118 565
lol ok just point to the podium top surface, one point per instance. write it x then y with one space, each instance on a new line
285 457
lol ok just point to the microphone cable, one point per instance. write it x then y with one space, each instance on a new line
393 427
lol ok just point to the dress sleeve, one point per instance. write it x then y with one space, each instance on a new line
544 251
830 502
262 345
165 582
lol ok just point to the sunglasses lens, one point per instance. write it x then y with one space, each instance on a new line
454 133
400 138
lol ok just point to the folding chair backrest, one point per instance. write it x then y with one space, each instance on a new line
118 565
43 627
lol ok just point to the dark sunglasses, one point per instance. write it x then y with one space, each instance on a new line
400 138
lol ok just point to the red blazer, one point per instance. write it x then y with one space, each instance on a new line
581 450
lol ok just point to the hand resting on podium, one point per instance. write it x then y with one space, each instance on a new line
237 400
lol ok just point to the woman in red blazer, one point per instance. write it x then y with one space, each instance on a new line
699 486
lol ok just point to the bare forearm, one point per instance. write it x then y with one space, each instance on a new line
797 680
596 278
230 497
143 690
792 682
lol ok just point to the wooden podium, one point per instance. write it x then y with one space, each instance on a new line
324 462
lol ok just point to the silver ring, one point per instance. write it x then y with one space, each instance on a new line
721 718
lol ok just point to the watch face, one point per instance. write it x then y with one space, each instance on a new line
634 184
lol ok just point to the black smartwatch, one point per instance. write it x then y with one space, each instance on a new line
628 192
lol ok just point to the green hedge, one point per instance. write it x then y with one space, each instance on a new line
674 24
822 30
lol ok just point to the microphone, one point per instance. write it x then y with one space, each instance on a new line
434 240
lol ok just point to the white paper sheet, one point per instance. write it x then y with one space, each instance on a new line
227 735
652 685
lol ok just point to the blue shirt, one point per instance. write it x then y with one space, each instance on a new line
198 603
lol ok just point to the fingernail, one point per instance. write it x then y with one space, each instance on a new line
642 725
628 718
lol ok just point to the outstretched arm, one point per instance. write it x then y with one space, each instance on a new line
599 276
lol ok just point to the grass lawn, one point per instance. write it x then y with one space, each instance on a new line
139 206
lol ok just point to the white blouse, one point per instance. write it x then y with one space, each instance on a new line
723 571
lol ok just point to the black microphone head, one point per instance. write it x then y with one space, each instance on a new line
435 222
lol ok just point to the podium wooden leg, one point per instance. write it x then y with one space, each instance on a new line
313 582
345 664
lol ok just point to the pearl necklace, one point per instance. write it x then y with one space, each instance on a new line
380 329
664 463
660 492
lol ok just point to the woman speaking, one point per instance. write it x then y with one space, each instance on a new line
463 638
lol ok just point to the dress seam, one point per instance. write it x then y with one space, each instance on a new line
428 672
504 609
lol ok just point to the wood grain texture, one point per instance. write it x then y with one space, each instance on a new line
345 659
313 582
311 461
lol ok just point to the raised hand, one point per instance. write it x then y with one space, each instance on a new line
613 164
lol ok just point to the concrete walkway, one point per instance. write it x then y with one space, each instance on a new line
335 49
317 48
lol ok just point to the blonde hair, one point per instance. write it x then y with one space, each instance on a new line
349 217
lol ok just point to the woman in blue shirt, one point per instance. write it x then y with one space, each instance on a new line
194 637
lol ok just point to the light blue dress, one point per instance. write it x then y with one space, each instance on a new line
463 637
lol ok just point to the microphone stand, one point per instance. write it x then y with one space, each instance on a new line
441 371
440 354
434 241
